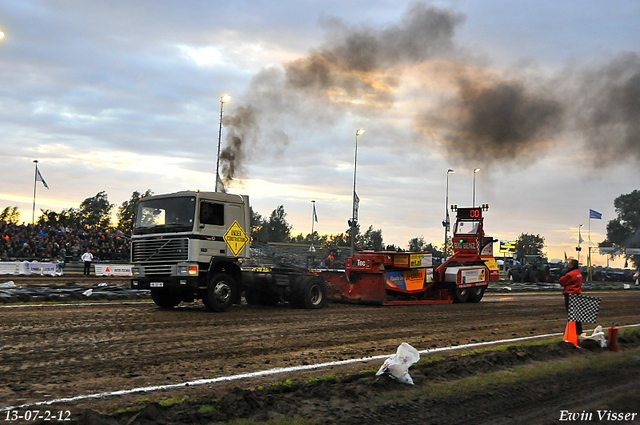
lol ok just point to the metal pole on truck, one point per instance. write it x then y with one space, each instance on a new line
446 221
474 187
223 99
354 209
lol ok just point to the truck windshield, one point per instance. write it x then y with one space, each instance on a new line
165 215
466 228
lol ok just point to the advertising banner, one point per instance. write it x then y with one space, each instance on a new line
113 269
29 268
409 280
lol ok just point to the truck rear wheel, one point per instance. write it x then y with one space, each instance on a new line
164 299
476 293
460 295
220 293
310 292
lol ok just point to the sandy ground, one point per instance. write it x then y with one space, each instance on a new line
63 351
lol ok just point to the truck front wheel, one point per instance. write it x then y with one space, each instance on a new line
220 293
164 299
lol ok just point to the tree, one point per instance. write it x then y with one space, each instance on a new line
433 249
278 230
448 252
96 211
417 244
127 211
527 244
69 217
258 227
10 215
624 230
372 239
339 239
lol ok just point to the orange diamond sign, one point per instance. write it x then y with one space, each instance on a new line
236 238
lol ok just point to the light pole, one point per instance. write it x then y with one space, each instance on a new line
354 210
474 186
446 221
223 99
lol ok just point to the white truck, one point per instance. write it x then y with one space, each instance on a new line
195 245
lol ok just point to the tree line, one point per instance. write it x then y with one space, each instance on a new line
623 231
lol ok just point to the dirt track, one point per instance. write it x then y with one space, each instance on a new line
51 352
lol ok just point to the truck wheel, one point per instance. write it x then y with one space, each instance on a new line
460 295
476 293
311 292
164 299
220 293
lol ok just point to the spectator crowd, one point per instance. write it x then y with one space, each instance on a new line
31 242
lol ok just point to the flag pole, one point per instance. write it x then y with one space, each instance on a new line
589 261
313 219
35 181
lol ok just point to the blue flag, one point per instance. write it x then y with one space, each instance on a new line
595 214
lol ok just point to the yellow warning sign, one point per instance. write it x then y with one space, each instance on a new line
236 238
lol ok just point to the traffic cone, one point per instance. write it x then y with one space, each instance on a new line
570 333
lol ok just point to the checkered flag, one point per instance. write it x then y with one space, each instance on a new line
583 308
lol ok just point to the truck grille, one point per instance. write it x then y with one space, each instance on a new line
159 270
160 250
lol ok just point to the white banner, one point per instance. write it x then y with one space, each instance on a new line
632 251
29 268
113 269
9 268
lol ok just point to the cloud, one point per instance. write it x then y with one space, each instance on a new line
356 69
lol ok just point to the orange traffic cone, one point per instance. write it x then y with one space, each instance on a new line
570 333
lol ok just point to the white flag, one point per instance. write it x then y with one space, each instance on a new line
40 179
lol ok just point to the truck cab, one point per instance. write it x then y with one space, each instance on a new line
186 245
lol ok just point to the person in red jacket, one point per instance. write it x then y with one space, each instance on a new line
572 283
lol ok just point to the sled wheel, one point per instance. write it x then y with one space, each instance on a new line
460 295
476 293
311 293
164 299
220 293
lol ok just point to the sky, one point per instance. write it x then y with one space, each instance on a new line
542 96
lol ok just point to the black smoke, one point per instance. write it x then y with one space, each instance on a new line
481 116
357 68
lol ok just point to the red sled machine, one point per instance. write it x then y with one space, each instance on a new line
399 278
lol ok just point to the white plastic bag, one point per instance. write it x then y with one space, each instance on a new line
398 364
597 335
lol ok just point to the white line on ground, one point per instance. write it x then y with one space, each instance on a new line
269 372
